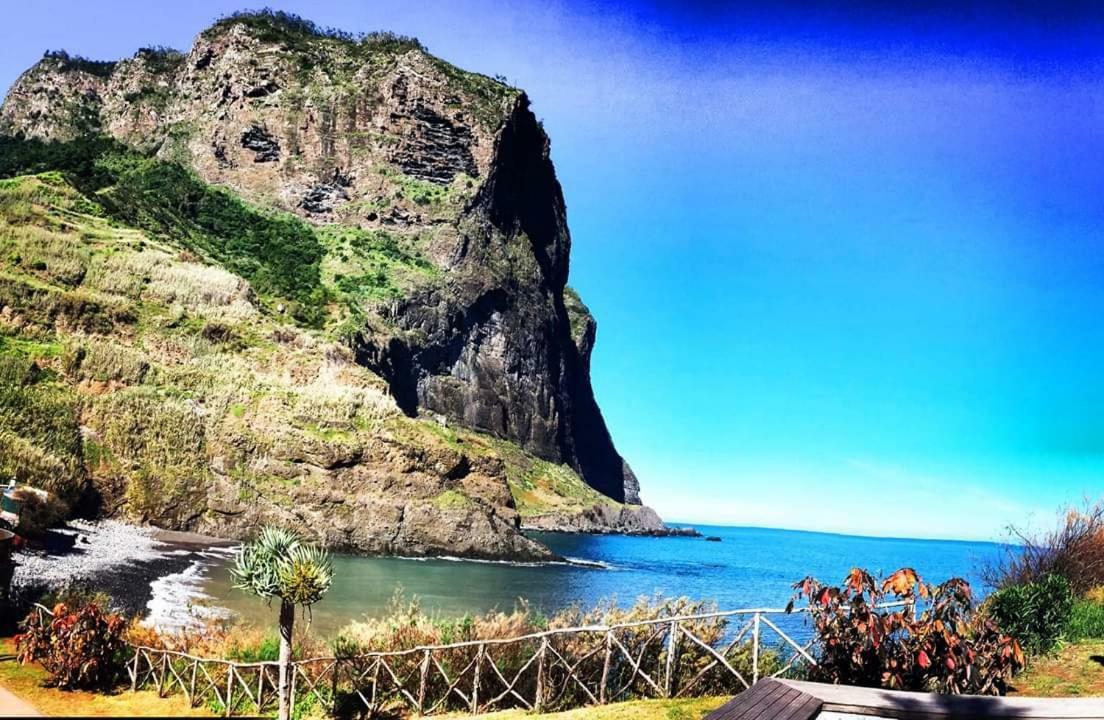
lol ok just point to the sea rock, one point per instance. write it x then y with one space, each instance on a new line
603 518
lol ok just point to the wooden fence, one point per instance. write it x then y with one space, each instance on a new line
712 653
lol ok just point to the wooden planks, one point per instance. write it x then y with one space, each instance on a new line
769 700
797 700
922 706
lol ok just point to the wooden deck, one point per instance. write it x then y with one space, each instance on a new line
769 700
795 700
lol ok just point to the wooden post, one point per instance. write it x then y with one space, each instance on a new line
260 687
672 660
538 700
164 675
229 687
375 685
475 680
423 681
333 687
755 651
606 660
134 678
291 683
192 684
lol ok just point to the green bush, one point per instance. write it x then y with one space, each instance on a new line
1086 621
265 650
1037 613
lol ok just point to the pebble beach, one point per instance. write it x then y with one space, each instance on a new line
153 573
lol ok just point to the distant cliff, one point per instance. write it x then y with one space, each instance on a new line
364 253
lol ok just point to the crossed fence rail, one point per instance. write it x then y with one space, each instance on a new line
680 656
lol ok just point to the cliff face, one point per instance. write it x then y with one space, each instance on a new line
297 278
380 136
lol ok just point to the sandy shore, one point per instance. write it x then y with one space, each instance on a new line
155 573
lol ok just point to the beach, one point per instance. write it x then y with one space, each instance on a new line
153 573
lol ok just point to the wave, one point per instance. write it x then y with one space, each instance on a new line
178 602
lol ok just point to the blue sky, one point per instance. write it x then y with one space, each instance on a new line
847 261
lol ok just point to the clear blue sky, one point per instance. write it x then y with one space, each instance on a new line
847 262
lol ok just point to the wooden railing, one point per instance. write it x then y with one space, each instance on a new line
712 653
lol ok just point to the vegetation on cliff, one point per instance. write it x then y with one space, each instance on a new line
144 380
363 188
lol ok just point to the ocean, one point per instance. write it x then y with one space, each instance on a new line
750 567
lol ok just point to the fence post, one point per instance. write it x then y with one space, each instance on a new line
192 684
602 699
229 688
333 686
134 678
755 650
164 675
670 680
291 683
475 679
538 700
422 681
375 686
260 687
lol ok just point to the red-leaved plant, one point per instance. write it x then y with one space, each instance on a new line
79 648
945 648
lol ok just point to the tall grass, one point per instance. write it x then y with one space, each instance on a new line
1073 550
1086 621
279 253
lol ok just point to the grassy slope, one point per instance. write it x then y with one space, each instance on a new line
1075 670
25 681
538 486
126 330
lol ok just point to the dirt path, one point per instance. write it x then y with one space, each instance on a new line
11 706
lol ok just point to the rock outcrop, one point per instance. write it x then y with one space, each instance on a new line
605 518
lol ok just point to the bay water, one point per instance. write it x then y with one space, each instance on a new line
749 567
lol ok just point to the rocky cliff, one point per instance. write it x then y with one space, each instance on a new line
378 135
320 219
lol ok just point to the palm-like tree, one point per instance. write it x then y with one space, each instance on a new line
280 565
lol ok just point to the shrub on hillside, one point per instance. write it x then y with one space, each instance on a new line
947 648
1074 550
1035 613
79 647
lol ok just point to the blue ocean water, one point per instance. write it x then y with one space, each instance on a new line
750 567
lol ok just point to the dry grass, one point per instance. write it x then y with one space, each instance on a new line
26 682
1077 670
681 709
1074 550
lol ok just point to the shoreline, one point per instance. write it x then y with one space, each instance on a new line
141 568
156 574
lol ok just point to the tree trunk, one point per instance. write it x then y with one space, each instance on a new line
287 622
